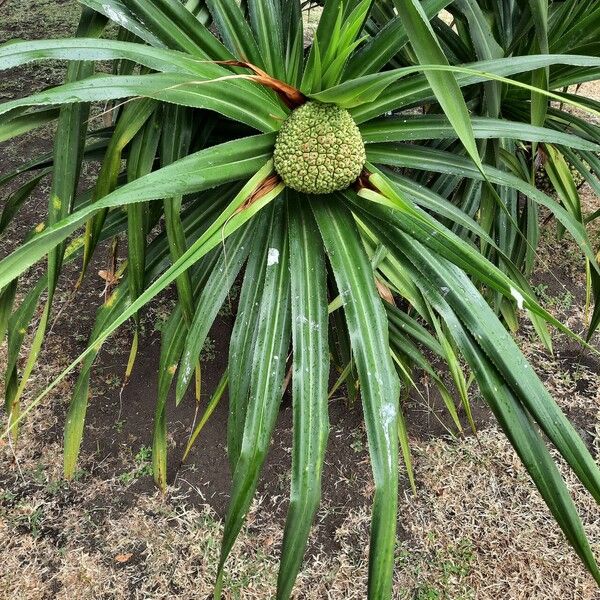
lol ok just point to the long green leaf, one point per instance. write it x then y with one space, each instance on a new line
175 144
26 123
132 121
174 331
388 92
233 97
367 325
243 336
68 156
432 127
15 54
216 289
422 158
310 376
227 222
17 198
118 13
267 22
268 371
172 23
506 403
235 31
202 170
388 41
501 349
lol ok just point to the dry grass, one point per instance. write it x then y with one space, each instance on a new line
477 529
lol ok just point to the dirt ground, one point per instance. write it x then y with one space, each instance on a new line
476 528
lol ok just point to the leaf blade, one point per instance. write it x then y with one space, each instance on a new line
367 325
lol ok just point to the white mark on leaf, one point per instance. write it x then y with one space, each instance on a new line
517 296
272 257
113 15
388 414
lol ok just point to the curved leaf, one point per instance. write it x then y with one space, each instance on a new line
202 170
435 127
233 96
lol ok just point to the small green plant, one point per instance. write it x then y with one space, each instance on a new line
428 593
55 486
357 444
7 496
208 352
561 302
142 466
31 518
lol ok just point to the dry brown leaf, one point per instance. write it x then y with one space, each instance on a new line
384 292
271 182
291 96
123 558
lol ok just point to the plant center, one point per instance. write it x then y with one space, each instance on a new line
319 149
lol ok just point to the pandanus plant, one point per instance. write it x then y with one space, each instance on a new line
374 189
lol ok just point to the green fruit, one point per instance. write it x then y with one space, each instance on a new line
319 149
544 183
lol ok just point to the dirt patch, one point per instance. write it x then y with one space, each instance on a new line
119 434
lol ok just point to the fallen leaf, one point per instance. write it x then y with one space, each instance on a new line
123 558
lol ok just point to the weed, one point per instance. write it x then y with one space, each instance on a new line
142 466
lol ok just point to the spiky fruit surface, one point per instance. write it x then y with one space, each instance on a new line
319 149
544 183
